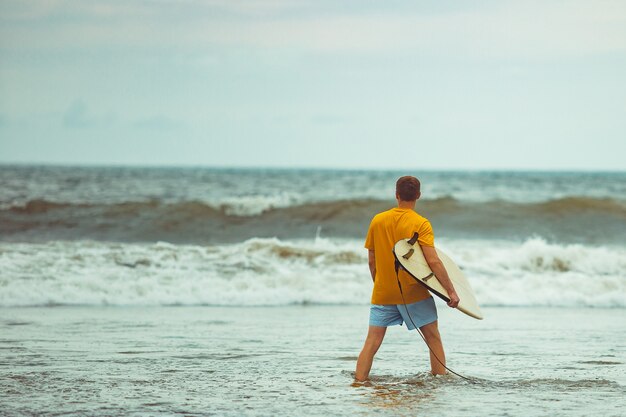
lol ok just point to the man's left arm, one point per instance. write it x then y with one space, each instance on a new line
371 259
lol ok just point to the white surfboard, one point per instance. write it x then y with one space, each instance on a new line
415 264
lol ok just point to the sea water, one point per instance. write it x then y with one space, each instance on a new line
194 291
299 360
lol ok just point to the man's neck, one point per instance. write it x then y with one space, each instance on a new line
406 204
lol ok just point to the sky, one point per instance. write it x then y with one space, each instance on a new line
322 83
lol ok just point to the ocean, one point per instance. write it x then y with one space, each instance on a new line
205 291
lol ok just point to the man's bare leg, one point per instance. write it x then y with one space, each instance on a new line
433 338
375 336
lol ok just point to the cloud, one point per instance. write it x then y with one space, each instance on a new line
76 115
158 122
517 30
328 119
38 9
509 29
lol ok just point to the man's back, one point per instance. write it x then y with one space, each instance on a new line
385 230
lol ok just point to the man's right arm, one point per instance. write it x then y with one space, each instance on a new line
435 264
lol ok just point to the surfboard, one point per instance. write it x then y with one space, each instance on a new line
411 258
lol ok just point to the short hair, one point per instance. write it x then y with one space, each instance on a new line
408 188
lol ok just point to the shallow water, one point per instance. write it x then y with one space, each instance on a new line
298 360
91 258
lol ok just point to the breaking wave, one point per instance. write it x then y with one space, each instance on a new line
270 272
251 206
604 219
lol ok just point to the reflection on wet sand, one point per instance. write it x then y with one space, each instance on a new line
403 394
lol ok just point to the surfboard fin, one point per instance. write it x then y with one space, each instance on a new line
408 254
413 239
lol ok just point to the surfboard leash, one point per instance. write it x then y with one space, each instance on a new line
397 267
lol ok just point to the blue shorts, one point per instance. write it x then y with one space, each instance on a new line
422 312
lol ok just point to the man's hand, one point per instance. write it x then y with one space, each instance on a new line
454 299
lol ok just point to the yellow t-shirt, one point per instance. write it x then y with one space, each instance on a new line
385 230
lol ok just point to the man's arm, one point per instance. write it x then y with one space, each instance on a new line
435 264
371 259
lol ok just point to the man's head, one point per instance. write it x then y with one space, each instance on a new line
407 188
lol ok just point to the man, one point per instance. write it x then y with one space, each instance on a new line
387 307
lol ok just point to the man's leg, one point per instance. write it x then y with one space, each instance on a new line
433 338
374 338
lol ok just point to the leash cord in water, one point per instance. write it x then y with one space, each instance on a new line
397 266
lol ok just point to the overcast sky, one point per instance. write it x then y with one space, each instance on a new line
289 83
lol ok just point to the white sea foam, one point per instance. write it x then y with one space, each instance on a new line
254 204
539 273
275 272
